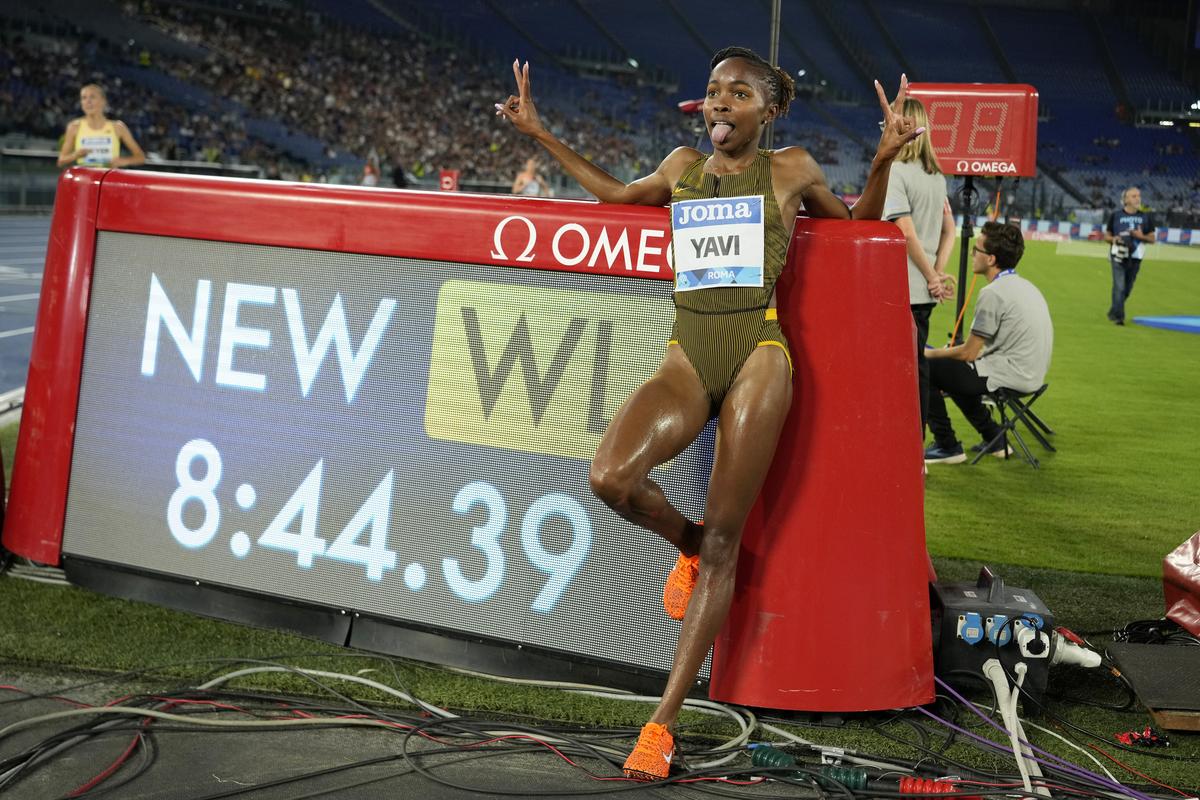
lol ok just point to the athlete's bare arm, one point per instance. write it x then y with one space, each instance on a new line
798 178
68 154
136 155
898 130
652 190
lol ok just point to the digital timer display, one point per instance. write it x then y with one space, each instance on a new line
407 438
980 128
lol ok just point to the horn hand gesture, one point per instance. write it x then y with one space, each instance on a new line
519 109
898 130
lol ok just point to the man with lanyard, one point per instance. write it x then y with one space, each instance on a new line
1129 228
1013 322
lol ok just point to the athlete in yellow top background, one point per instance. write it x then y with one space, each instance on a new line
94 140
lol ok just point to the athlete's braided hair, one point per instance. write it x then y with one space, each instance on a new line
782 87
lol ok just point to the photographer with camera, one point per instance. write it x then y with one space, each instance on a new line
1129 228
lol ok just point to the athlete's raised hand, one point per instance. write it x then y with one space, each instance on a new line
898 130
518 109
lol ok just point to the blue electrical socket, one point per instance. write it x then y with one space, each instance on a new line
970 628
997 627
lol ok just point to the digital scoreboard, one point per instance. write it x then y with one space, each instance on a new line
982 128
369 415
412 434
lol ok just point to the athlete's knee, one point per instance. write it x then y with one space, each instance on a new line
719 547
613 485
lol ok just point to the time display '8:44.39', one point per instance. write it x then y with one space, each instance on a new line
296 528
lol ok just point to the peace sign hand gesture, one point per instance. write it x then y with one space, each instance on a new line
518 109
898 130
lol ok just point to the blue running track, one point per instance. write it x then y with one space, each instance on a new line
22 255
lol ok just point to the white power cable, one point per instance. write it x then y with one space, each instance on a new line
746 721
825 749
1069 743
1108 793
432 709
745 725
186 719
1035 769
429 707
994 672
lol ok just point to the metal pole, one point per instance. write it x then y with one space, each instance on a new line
968 230
773 57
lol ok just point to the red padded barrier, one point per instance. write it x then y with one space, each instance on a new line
831 611
38 498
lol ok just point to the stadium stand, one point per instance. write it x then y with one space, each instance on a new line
312 89
944 42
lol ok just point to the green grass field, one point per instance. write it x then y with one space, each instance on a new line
1121 490
1087 532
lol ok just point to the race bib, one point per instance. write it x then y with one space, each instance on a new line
99 150
1120 248
718 242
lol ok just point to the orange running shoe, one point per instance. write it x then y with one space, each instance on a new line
680 583
651 757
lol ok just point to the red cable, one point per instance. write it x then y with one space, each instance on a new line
171 702
113 767
1128 768
1070 635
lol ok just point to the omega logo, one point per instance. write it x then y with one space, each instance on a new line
1004 167
573 242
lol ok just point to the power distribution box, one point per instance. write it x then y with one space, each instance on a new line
987 619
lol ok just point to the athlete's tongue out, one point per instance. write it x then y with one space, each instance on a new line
721 131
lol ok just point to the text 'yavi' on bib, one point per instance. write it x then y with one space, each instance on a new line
718 242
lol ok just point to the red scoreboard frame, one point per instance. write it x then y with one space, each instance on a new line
987 129
831 611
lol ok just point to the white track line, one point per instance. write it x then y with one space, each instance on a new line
12 298
15 332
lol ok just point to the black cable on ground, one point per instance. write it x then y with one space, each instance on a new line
1044 708
574 743
1155 631
149 755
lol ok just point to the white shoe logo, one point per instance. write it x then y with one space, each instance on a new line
668 756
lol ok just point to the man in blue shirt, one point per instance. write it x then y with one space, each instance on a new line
1129 228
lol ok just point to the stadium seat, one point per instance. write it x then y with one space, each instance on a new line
1014 406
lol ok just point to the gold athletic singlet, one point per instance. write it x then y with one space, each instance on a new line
719 327
102 146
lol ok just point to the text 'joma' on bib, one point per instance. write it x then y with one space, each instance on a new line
718 242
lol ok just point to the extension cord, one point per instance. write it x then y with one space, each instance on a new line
1067 652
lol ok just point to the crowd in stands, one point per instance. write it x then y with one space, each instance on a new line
1101 173
426 107
39 88
400 100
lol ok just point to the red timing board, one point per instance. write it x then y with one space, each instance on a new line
985 129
